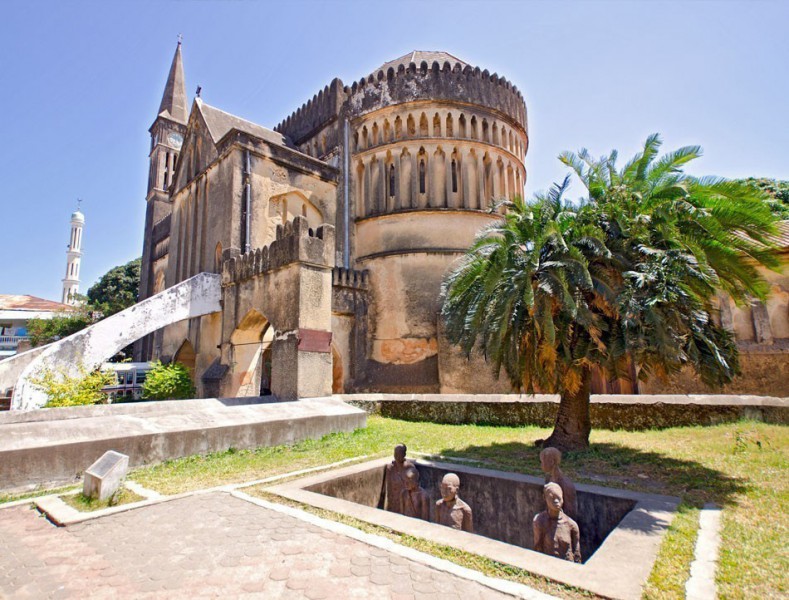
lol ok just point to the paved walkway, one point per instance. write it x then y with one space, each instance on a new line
207 546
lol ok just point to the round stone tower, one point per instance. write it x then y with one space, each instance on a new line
426 145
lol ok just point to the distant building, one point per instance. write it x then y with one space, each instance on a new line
73 259
15 312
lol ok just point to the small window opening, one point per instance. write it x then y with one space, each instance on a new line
421 176
454 176
391 181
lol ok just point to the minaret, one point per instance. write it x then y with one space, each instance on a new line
73 258
167 136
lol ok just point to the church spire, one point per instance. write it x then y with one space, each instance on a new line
173 103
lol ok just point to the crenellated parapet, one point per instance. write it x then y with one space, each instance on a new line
410 82
315 114
350 278
295 242
405 81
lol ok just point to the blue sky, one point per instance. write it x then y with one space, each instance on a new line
81 81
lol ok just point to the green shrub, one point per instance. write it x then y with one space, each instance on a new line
63 324
168 382
64 390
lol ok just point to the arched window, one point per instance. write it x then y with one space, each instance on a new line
423 125
422 176
454 175
391 181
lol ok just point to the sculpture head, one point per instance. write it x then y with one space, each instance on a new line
411 479
550 459
399 453
554 498
450 485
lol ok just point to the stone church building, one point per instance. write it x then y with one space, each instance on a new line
331 232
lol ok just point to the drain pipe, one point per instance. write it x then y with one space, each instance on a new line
247 201
346 251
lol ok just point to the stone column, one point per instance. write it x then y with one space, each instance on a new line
301 351
727 319
482 201
397 204
761 323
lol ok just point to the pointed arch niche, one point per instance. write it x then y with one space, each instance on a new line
251 355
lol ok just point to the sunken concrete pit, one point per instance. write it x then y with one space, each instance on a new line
621 530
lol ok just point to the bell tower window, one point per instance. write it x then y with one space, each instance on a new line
454 176
421 176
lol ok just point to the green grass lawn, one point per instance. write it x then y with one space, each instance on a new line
84 504
741 467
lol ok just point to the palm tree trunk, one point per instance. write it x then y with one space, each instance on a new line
573 423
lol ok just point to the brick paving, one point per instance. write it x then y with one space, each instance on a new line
207 546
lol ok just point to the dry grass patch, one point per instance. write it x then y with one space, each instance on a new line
82 503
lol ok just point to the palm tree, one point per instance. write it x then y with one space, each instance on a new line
632 273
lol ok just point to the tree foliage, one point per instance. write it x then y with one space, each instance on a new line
63 324
168 382
776 189
64 390
554 290
117 289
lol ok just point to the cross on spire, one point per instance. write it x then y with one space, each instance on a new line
180 38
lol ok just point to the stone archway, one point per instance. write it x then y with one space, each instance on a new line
250 348
186 356
288 281
337 386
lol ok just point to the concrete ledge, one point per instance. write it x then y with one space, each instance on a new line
632 412
38 448
618 569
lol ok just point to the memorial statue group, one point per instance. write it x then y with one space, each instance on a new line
555 531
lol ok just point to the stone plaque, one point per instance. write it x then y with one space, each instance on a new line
104 477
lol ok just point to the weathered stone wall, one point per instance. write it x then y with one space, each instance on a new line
208 228
630 412
284 288
350 301
765 371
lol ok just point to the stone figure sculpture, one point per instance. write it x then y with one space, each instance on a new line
556 534
550 458
451 510
414 499
395 479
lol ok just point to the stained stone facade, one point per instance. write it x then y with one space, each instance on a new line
333 231
391 176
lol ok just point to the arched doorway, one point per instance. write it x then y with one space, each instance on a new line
251 356
186 356
336 372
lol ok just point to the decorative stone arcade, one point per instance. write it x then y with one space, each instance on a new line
278 300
